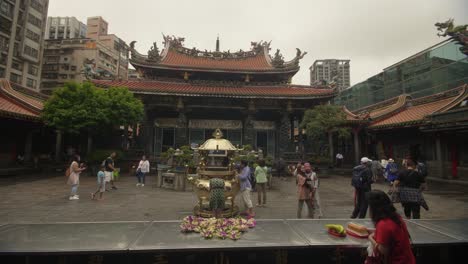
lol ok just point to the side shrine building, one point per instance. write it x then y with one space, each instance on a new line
188 93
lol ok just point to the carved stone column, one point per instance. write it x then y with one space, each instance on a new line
249 132
181 130
440 159
283 138
146 132
357 151
181 137
145 138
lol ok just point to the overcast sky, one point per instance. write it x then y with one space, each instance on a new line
373 34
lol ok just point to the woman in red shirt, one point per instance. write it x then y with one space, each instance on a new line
391 239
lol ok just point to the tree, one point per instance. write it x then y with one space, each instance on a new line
77 108
122 107
325 120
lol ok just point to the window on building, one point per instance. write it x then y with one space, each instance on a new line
52 59
4 42
32 52
50 76
34 20
235 136
65 67
6 9
15 78
73 68
32 35
49 67
32 70
71 76
63 76
17 65
2 73
31 83
37 5
197 136
5 25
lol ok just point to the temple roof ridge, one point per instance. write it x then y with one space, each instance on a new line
175 54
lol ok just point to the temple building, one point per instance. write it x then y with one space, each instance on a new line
188 93
430 129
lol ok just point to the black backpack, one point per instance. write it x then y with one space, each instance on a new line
422 169
358 180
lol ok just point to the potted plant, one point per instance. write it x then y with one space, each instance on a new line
183 158
166 157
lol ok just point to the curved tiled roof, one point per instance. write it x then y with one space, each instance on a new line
413 114
10 108
20 102
252 63
188 89
416 110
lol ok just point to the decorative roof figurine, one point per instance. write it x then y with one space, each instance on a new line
153 53
278 60
458 33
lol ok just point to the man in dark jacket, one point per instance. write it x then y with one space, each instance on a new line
361 181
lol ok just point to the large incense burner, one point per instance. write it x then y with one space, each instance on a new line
216 185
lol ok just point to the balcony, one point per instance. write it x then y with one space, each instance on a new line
5 26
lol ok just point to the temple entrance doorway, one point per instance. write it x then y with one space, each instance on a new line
262 141
168 138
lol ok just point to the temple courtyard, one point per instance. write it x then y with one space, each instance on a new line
40 198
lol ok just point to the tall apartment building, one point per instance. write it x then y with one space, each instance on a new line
327 71
64 28
22 26
104 55
98 30
97 26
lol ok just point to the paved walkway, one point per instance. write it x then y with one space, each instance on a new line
45 199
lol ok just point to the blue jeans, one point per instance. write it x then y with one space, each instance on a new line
141 177
74 189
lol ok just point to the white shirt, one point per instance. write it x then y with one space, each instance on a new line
144 166
339 156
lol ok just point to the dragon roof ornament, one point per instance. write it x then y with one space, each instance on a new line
458 33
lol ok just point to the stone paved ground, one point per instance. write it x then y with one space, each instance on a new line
44 199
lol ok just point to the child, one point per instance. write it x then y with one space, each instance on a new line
101 184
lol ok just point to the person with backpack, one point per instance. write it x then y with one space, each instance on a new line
392 171
261 172
409 182
377 169
361 181
109 164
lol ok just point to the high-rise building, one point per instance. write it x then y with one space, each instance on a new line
330 71
22 26
99 55
64 28
97 26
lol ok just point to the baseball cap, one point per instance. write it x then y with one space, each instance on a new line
365 160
